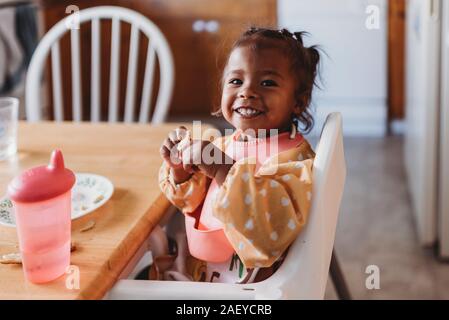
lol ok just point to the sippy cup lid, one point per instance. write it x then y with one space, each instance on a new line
43 182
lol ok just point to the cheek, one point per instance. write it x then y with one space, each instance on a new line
227 99
277 102
284 106
226 105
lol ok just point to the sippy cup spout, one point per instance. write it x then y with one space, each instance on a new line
56 160
43 182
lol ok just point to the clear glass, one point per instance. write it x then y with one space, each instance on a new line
9 110
44 237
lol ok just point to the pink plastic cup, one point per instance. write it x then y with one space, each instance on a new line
42 201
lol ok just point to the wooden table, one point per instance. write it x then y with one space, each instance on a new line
126 154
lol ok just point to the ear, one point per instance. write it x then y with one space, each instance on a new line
297 108
300 103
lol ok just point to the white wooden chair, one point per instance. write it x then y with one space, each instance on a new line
304 273
158 46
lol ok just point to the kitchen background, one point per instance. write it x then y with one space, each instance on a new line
385 69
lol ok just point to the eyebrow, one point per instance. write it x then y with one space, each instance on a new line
233 71
272 72
263 72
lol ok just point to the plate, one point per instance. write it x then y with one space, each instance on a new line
90 192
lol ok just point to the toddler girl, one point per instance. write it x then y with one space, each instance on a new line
243 212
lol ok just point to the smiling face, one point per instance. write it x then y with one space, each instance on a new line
258 89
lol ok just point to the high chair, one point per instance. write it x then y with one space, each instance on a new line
305 270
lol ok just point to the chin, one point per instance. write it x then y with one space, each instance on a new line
244 127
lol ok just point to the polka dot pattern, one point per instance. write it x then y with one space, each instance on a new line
263 209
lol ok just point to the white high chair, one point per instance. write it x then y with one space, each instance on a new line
304 273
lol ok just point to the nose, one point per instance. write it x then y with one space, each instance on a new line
248 92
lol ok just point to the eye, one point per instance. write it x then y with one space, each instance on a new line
269 83
235 81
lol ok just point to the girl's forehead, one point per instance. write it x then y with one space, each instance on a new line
247 57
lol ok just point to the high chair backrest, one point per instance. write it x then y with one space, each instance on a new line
304 273
158 51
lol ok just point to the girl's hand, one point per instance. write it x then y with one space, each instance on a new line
206 157
171 155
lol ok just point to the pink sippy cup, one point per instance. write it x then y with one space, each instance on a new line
42 201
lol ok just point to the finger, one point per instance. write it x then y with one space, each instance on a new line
165 152
169 157
181 132
197 153
168 143
172 136
184 145
170 153
175 158
186 155
187 167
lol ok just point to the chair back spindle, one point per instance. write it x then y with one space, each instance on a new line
157 51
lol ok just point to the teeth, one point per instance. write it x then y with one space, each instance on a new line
247 111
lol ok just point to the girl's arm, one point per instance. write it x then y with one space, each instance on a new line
184 188
188 194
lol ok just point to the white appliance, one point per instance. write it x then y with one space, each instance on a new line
443 182
427 119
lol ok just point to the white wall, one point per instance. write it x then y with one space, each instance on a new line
355 72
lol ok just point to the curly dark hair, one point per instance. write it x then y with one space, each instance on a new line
304 65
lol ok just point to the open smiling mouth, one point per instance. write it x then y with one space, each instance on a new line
247 112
